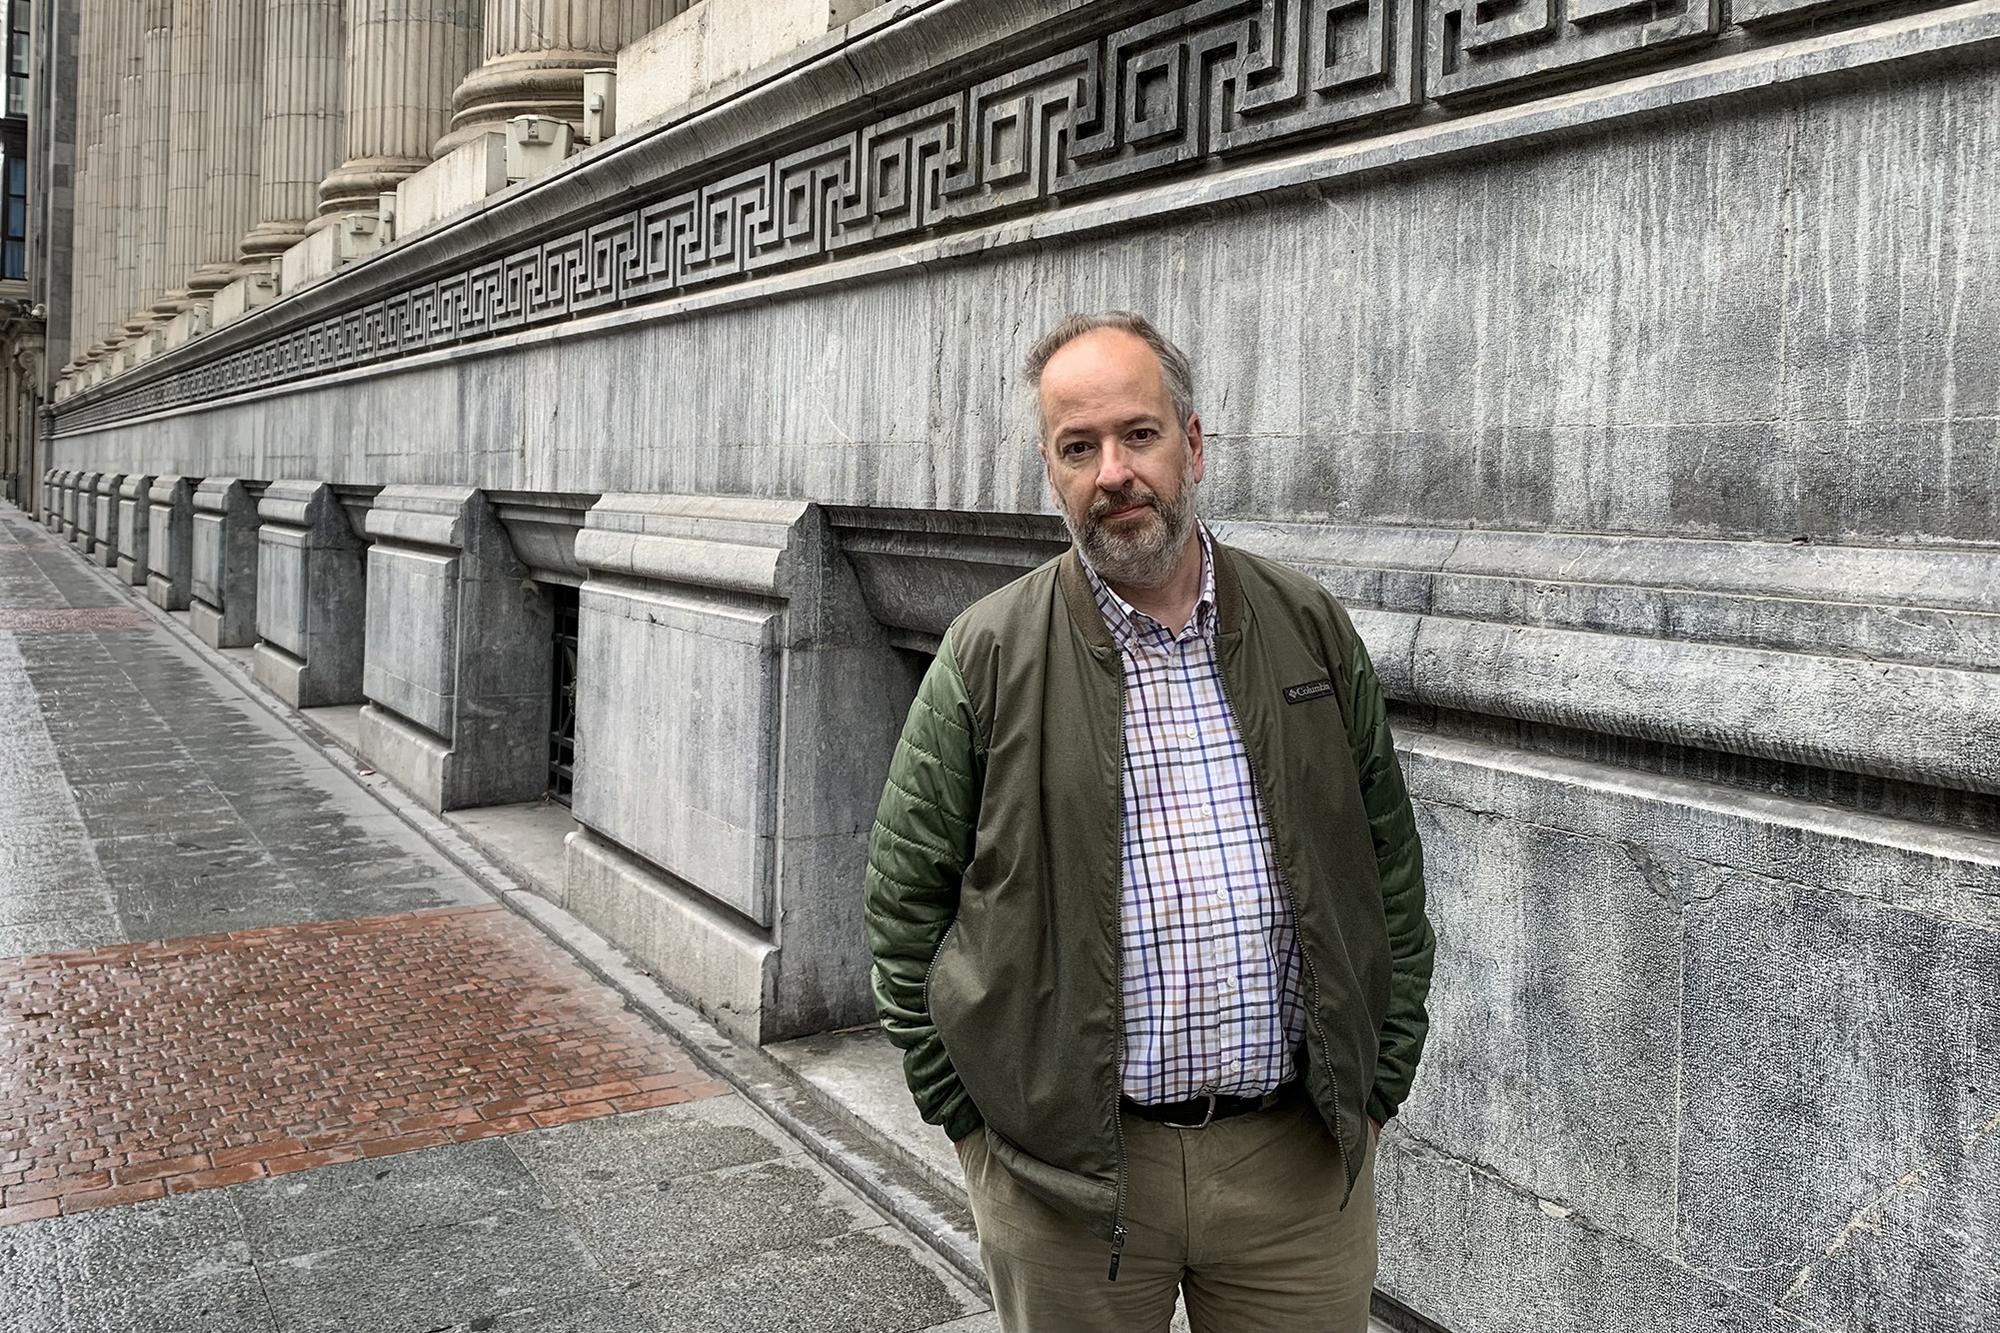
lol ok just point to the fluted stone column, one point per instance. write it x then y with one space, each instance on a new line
89 202
155 142
404 58
133 136
123 139
302 136
535 54
235 115
187 164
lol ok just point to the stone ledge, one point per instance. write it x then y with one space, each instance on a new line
1929 725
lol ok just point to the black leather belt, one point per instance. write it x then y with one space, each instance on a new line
1200 1112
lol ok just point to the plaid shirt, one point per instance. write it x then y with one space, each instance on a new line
1214 1000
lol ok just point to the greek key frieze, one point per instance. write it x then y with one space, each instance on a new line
1478 46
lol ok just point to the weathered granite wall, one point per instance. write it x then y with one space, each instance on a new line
1649 420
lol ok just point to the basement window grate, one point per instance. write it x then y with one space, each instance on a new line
562 696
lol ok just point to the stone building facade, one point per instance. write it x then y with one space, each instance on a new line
619 399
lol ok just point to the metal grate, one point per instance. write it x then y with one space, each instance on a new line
562 695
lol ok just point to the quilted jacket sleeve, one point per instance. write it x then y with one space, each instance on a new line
1399 860
917 854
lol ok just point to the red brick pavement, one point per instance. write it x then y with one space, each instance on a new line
138 1070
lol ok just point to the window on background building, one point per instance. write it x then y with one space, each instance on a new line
19 55
14 232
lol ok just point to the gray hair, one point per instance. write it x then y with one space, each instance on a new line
1174 367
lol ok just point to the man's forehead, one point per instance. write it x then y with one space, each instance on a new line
1102 355
1101 377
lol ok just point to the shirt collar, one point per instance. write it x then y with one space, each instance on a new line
1132 628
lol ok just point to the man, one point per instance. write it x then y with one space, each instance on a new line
1146 898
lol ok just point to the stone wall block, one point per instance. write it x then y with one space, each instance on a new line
135 528
170 544
457 653
1552 941
224 590
312 596
1698 1059
83 505
105 517
1840 1145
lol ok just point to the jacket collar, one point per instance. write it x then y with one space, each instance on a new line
1089 621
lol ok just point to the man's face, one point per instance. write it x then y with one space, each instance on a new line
1121 468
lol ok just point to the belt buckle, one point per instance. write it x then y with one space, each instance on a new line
1206 1120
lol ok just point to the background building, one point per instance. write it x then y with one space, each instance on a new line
1631 370
24 380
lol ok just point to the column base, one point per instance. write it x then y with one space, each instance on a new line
538 83
356 186
265 242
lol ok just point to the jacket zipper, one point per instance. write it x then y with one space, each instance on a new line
1118 1002
1298 932
936 954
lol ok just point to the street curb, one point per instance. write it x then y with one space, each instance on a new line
939 1216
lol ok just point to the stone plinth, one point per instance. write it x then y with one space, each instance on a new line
185 327
135 528
312 596
105 522
170 544
710 44
223 610
458 653
53 499
344 239
240 297
458 181
712 627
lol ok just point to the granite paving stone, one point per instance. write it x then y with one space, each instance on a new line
270 1063
432 1278
711 1217
349 1203
875 1281
578 1164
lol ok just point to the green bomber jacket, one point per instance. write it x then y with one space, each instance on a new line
994 872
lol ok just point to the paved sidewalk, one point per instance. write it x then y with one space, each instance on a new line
269 1062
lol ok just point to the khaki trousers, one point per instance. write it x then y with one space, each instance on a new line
1243 1218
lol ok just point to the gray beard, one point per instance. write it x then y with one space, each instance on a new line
1145 558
